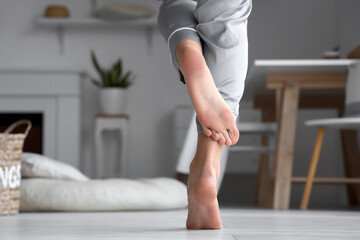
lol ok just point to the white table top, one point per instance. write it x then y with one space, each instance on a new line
303 62
256 77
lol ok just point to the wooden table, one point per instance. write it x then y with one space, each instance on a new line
292 81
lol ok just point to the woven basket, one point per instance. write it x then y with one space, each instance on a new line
11 146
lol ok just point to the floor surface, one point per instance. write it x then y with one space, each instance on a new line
238 224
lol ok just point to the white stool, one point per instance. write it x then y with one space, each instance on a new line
111 122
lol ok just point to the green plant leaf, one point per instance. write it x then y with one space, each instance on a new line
107 79
97 66
116 72
113 77
127 75
96 82
119 67
125 81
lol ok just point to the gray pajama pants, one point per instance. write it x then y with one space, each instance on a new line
220 27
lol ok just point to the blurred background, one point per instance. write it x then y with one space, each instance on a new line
31 45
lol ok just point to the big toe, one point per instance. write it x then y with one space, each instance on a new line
228 140
234 135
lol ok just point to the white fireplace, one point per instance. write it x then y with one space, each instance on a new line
55 95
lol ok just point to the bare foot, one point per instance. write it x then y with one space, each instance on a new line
203 210
212 111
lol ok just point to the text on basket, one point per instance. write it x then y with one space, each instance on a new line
10 176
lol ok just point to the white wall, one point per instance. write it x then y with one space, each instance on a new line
292 28
349 26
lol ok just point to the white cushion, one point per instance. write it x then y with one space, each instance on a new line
39 166
102 195
124 12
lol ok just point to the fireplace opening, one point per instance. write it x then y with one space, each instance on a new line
34 141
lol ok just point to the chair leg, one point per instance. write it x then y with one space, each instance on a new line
312 169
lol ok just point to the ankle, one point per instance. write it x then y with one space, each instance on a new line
206 167
203 179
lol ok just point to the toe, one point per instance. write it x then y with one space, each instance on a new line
215 136
228 141
221 138
234 135
207 132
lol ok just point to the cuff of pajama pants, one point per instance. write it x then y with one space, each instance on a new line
175 38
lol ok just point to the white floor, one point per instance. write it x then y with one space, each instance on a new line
238 224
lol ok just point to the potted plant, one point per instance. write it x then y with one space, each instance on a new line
113 84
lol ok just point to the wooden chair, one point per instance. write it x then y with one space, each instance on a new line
351 120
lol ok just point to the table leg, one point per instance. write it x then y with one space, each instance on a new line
278 101
351 155
267 184
284 153
263 182
278 107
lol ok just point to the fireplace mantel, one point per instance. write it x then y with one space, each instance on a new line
54 93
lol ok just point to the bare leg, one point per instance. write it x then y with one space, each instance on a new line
203 210
212 111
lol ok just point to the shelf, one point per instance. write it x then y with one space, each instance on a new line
73 22
60 24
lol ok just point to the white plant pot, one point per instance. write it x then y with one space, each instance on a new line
112 100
